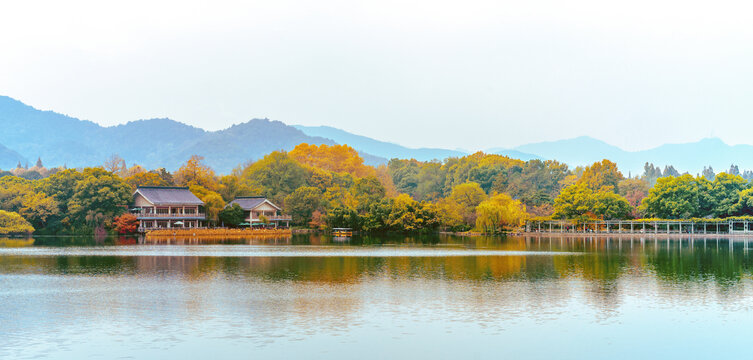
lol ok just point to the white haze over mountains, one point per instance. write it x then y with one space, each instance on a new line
469 74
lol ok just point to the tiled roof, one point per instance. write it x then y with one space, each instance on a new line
250 202
166 195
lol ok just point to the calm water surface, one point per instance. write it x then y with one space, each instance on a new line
373 298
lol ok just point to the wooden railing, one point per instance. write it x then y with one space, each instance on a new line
200 215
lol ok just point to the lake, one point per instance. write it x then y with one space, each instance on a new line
316 297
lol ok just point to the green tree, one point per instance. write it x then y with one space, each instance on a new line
98 197
231 187
744 204
302 203
275 176
610 206
367 191
724 193
673 198
574 202
232 215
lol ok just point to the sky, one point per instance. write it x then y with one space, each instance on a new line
469 74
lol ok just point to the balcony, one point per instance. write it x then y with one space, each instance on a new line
170 216
272 218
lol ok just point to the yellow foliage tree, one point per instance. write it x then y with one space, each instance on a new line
213 202
601 175
145 179
194 172
498 212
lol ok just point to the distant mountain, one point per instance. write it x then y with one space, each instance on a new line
63 140
690 157
58 139
578 151
9 158
515 154
382 149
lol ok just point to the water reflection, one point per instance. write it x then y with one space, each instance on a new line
600 259
57 301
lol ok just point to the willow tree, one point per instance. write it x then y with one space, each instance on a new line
499 212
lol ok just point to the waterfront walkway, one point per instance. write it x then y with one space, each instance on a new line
644 227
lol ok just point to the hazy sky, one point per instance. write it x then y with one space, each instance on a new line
470 74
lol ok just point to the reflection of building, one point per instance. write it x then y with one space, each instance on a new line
254 207
167 207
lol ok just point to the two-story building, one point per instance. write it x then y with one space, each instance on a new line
162 207
256 206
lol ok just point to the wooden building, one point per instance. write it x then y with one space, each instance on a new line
164 207
256 206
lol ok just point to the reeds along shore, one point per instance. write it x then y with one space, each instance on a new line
217 233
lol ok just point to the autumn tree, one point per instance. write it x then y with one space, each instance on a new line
195 172
408 215
213 202
126 224
145 179
13 223
20 196
601 175
335 158
468 196
498 212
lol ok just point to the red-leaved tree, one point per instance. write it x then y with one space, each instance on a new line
126 224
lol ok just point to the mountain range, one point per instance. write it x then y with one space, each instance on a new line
58 140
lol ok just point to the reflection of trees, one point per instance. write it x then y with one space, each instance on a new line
9 242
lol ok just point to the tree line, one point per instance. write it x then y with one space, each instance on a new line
325 186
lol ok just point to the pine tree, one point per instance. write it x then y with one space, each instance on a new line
39 163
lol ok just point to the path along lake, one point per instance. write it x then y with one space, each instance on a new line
436 297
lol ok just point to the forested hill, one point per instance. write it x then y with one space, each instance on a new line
59 140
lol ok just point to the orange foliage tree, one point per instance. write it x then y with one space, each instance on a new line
336 158
126 224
